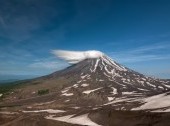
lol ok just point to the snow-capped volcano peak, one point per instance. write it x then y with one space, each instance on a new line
74 57
100 59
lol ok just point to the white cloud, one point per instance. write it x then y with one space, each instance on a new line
76 56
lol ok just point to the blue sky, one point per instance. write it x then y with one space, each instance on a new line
135 33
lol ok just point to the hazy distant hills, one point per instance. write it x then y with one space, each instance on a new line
12 78
7 81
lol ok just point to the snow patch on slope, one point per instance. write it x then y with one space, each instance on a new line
81 120
89 91
154 102
67 94
110 98
114 90
46 110
85 85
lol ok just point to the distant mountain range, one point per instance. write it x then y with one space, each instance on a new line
12 78
7 81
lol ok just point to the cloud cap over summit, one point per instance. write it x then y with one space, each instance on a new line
74 57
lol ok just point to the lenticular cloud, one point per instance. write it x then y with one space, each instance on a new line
74 57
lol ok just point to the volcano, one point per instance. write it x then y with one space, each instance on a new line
103 80
93 81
